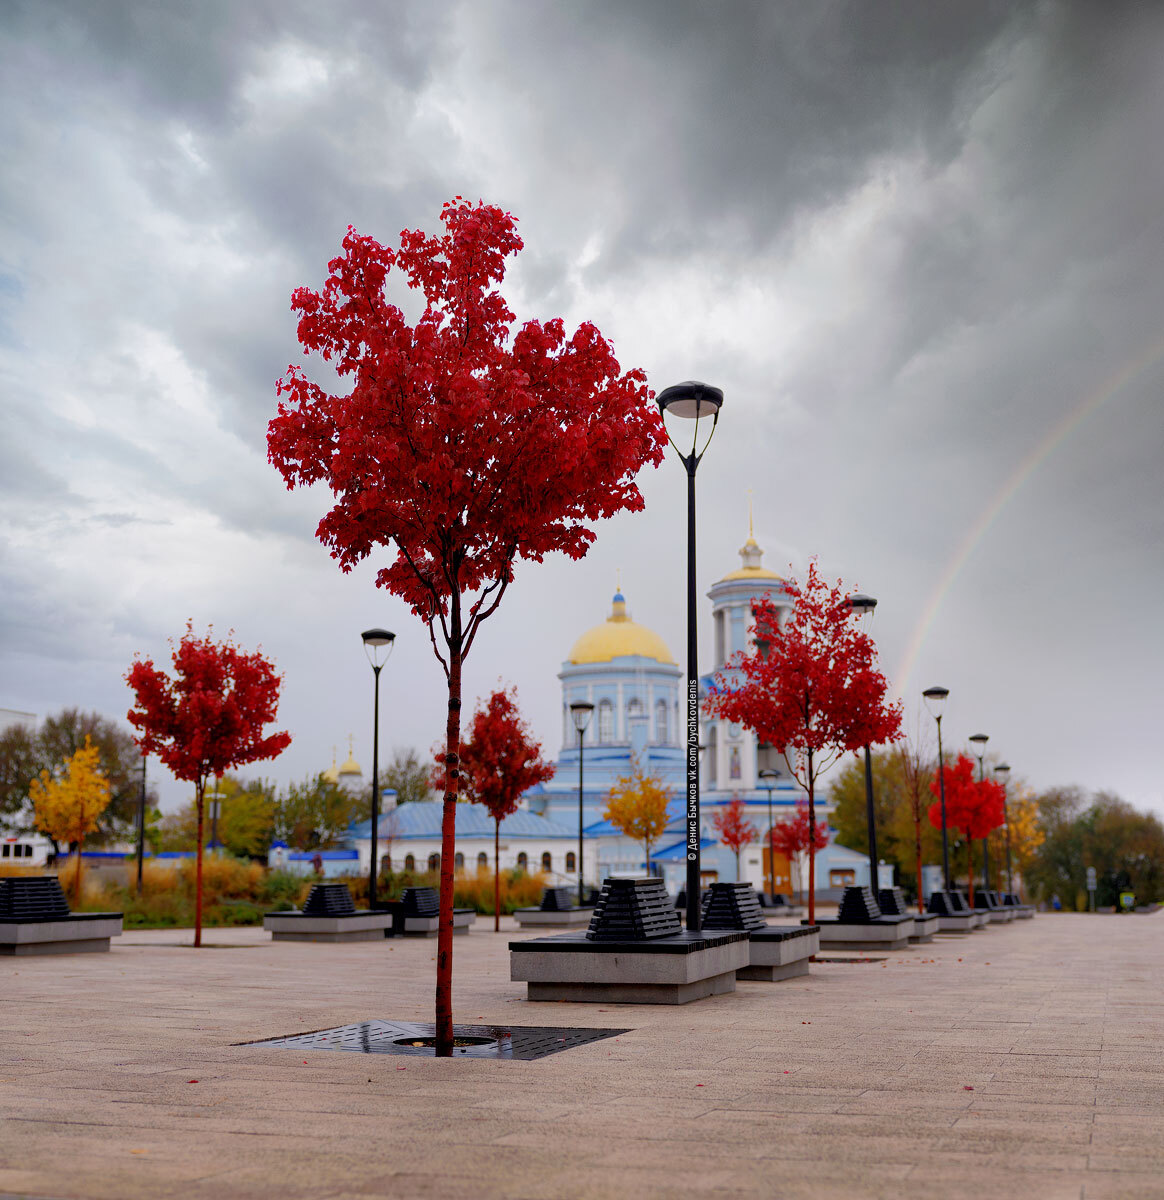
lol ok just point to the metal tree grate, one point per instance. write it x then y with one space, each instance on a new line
524 1042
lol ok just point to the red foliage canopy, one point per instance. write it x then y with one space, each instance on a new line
734 829
209 717
791 837
973 806
462 446
500 760
811 685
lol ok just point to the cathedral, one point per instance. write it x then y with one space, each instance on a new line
627 672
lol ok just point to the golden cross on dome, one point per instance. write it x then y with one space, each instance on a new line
751 530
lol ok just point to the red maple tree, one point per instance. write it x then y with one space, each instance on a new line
810 686
462 444
207 719
795 836
975 806
734 829
500 761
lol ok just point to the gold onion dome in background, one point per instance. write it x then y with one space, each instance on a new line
618 637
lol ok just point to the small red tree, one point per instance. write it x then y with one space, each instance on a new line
734 829
500 761
796 836
974 806
810 686
207 719
462 445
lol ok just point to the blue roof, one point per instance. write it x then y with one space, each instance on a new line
603 828
422 819
678 851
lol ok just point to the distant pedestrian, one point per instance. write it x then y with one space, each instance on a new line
317 864
1056 903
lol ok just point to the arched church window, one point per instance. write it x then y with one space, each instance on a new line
661 721
605 721
734 767
458 861
522 861
634 708
571 861
712 755
720 639
410 862
547 861
482 861
434 862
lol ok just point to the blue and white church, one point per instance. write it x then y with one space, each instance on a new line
627 672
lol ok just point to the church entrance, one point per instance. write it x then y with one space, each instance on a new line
781 870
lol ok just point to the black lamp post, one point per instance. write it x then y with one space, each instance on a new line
378 645
141 807
935 698
1002 774
215 799
769 777
863 606
580 712
980 740
692 401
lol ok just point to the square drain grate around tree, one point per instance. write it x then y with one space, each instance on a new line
525 1042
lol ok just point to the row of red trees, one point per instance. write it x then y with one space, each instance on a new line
975 806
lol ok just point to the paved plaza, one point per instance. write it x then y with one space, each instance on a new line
1024 1061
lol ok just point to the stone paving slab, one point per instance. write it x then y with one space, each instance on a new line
1026 1064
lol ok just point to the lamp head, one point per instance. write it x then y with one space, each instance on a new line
378 645
861 604
935 698
979 740
690 400
580 713
1002 773
769 776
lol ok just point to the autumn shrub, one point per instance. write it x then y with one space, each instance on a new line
7 869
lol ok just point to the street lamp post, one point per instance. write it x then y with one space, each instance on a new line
980 740
863 606
215 799
692 401
1002 774
769 777
935 698
378 645
580 712
141 807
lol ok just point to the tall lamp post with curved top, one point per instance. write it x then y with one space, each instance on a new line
378 645
1002 774
935 698
863 606
699 403
980 740
769 776
580 713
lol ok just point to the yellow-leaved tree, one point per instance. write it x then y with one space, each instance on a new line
637 806
69 808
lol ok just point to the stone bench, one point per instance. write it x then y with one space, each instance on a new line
557 910
634 952
925 926
328 915
417 914
861 925
35 919
780 952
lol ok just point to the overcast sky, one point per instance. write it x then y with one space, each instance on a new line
919 245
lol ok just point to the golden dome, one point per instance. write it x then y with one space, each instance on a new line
618 637
350 766
331 775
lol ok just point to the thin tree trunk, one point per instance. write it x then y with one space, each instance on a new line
444 974
77 877
811 846
199 791
496 875
970 867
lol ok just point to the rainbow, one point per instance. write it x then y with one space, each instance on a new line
1025 469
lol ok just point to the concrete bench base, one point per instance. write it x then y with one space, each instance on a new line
997 916
959 923
925 926
78 933
1022 912
558 920
780 952
889 933
671 970
427 926
347 927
